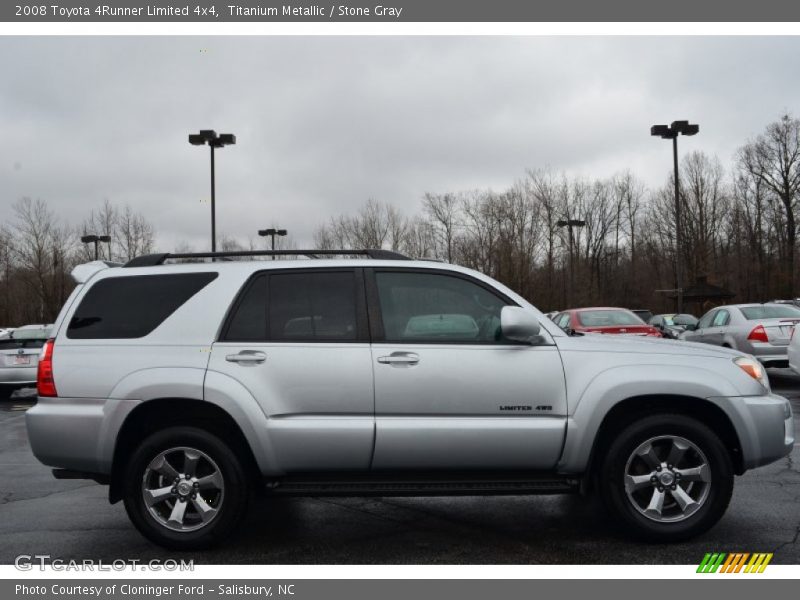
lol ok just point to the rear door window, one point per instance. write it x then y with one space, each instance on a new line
319 307
132 307
299 306
721 319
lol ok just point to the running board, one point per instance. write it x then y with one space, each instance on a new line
421 487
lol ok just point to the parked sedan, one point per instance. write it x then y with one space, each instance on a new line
19 357
673 325
644 314
604 320
763 330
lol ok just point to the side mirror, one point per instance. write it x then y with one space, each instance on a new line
519 324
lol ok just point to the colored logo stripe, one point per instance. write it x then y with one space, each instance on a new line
734 562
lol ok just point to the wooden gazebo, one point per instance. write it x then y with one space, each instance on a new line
702 296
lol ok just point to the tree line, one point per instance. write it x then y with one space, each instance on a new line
38 251
739 230
738 222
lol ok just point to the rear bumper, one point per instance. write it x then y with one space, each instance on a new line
76 433
769 354
18 376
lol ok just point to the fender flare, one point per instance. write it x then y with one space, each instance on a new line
614 385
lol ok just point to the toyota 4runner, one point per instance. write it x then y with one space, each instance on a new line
187 386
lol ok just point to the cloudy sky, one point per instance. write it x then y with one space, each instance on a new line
324 123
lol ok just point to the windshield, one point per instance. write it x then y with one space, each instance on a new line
680 320
770 311
607 318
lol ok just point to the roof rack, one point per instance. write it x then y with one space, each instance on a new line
151 260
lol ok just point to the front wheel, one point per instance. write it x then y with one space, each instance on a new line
185 489
668 477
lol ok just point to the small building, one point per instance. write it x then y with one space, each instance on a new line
702 296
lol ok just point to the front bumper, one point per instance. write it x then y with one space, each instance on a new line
765 427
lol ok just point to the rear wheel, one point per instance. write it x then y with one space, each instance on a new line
185 489
668 477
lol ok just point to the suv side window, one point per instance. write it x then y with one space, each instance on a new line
312 307
132 307
721 319
705 322
421 307
248 322
296 306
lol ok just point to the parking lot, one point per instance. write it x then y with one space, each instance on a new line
73 520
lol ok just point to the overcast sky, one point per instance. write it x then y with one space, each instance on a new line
324 123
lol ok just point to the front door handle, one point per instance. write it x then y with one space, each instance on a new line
247 357
399 358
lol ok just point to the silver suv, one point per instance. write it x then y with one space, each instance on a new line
186 387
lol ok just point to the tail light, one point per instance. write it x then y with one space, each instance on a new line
45 385
759 334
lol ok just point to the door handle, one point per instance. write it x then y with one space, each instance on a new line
399 358
247 357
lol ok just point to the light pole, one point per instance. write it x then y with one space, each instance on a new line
272 232
214 140
569 224
95 239
671 132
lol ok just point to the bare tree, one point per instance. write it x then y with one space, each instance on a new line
133 234
774 158
443 211
41 247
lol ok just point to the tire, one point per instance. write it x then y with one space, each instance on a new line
219 484
701 494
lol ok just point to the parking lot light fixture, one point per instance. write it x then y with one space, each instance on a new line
272 232
671 132
214 140
95 239
569 224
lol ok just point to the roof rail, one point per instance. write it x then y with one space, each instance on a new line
151 260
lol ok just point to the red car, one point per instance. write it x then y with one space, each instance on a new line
604 320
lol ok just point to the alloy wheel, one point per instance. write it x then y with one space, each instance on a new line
667 478
183 489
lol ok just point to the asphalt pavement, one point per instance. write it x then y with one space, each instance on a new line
72 520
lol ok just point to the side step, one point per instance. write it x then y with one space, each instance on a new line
422 486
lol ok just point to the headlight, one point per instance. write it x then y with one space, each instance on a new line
753 368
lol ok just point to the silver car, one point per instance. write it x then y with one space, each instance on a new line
186 386
19 357
762 330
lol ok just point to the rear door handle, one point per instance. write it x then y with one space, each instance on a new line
399 358
247 357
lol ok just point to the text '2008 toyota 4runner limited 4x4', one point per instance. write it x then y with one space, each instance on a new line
187 386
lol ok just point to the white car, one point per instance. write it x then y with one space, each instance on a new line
19 357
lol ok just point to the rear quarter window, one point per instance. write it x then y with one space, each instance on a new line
132 307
